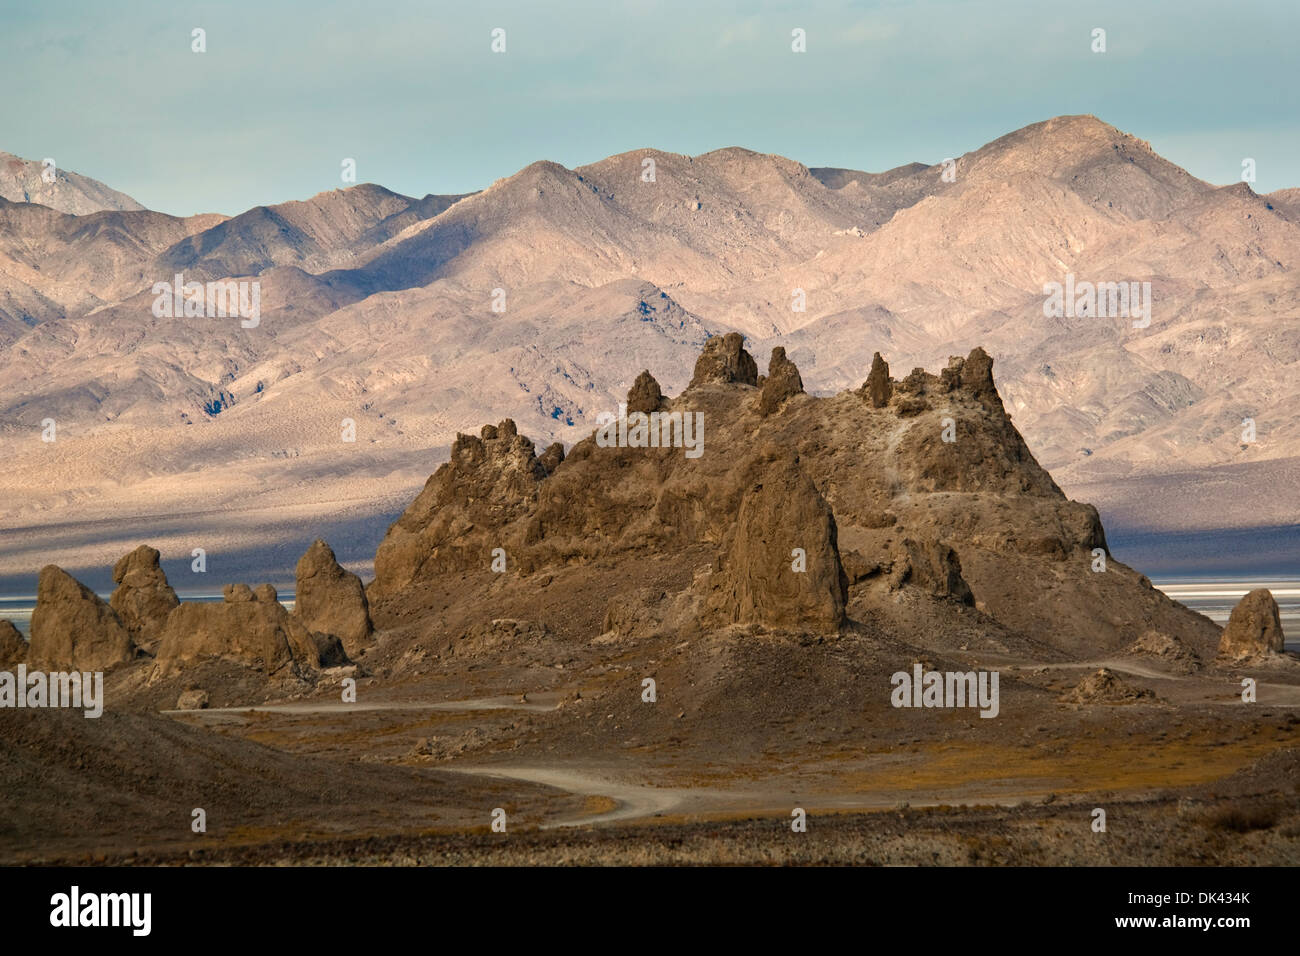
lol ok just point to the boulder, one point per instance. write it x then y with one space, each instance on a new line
725 360
1254 628
237 593
13 649
330 600
73 628
192 698
782 382
143 598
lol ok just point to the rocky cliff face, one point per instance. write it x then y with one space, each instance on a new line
783 564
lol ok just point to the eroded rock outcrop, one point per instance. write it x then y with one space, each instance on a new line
975 373
143 598
73 628
250 628
330 600
1254 628
878 388
783 567
782 382
1105 687
553 457
908 474
645 395
725 360
490 480
13 649
968 442
933 565
1168 649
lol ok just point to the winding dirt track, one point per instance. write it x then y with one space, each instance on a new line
634 801
640 801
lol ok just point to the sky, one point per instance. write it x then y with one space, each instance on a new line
413 92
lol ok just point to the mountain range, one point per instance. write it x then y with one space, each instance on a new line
404 321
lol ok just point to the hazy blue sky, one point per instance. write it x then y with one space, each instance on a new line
411 90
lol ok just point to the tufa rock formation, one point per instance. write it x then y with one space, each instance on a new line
861 479
237 593
934 566
72 627
782 382
551 458
490 481
250 628
1254 628
975 376
725 360
760 580
644 395
13 649
878 388
330 600
143 598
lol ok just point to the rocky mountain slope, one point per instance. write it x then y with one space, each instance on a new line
31 181
541 297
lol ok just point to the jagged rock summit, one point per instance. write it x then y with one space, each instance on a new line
781 382
724 360
911 508
791 512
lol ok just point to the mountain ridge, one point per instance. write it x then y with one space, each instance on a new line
382 309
